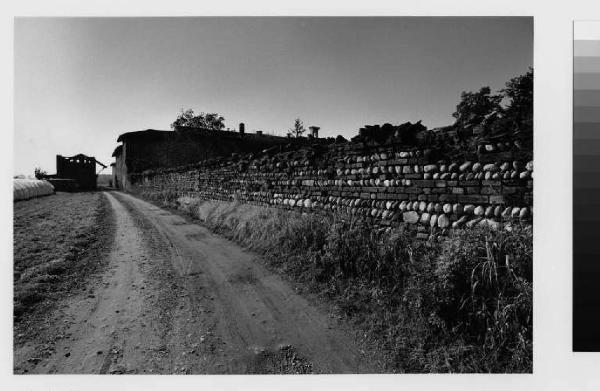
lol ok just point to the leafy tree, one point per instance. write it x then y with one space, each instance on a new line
39 173
503 117
519 92
298 128
203 120
476 107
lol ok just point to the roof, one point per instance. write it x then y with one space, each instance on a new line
78 156
118 150
148 134
153 135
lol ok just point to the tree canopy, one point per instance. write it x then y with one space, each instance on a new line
475 107
510 109
203 120
519 91
39 173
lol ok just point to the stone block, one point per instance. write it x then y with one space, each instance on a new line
496 199
473 198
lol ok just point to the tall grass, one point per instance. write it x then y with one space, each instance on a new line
461 303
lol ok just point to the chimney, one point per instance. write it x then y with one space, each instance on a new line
314 131
242 128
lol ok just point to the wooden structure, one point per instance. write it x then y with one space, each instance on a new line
80 168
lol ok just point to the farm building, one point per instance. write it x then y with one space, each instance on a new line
151 149
75 173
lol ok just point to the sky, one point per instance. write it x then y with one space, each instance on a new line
80 82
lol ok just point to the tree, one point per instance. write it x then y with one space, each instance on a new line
519 92
203 120
476 107
39 173
298 129
503 117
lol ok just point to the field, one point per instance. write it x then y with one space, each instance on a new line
55 240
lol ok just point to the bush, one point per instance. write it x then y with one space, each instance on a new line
461 303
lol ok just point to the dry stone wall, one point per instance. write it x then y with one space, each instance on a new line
384 186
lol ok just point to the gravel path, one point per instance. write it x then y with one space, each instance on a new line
175 298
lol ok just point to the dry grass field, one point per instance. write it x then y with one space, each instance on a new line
55 238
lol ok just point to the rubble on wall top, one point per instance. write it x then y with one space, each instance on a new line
407 138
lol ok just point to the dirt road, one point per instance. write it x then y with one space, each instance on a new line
176 298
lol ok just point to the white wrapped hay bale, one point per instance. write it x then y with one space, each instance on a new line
24 189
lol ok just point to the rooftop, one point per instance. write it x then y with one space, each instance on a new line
153 134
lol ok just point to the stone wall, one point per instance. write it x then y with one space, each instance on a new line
385 186
152 149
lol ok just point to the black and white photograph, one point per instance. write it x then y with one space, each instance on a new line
273 195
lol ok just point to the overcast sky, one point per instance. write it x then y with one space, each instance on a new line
80 82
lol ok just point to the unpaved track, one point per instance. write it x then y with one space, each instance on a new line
178 299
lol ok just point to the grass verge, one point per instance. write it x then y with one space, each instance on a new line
461 303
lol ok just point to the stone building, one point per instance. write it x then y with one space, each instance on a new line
150 149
